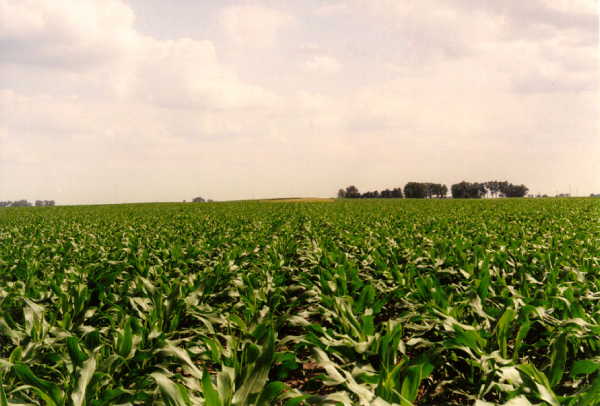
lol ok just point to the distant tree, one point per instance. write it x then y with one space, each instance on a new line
397 193
443 191
515 190
21 203
352 192
198 200
459 190
370 195
436 190
503 187
39 203
478 190
415 190
467 190
493 187
420 190
429 189
433 190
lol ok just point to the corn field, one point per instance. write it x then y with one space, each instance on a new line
379 302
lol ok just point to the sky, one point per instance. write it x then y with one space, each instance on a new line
109 101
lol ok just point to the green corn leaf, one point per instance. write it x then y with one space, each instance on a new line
260 373
558 359
3 399
75 352
270 393
16 355
484 283
183 355
225 384
108 397
414 376
305 400
503 329
521 334
592 395
468 338
125 340
538 383
214 347
211 396
173 394
585 367
85 376
49 391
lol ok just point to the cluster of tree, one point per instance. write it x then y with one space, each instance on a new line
25 203
425 190
509 190
428 190
504 189
594 195
412 190
200 200
476 190
468 190
44 203
351 192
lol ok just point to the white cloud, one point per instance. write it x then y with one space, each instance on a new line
313 101
434 31
456 84
68 34
333 8
254 26
97 42
83 88
187 73
322 64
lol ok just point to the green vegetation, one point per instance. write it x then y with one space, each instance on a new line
370 302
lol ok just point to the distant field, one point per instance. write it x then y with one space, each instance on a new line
300 199
368 302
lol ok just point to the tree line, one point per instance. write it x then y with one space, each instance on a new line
200 199
351 192
429 190
495 188
26 203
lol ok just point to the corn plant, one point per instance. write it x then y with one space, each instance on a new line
372 302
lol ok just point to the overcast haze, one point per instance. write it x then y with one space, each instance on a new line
105 101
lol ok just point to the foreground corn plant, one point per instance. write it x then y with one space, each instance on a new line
349 303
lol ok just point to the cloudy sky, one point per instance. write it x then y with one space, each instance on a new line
147 100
